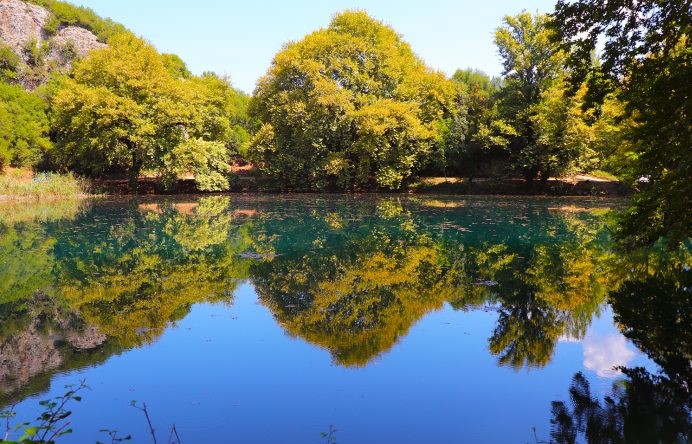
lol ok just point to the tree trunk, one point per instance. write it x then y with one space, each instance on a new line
545 175
135 170
529 175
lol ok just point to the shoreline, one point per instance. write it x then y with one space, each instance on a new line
564 187
593 187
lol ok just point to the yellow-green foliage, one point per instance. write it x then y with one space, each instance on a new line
348 106
357 301
532 64
9 64
206 160
125 106
67 14
132 287
23 127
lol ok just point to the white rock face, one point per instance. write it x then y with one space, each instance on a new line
21 22
82 40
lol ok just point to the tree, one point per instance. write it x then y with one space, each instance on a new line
486 133
647 59
9 64
564 138
23 127
615 151
128 107
532 64
349 106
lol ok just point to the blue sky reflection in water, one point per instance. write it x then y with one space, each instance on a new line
395 319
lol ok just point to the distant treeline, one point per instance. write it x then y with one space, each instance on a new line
351 107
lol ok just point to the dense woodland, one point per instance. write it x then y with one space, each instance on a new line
592 86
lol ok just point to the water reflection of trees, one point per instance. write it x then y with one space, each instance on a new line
643 408
354 284
107 277
349 275
149 265
551 279
653 308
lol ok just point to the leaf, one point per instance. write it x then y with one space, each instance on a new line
30 431
65 432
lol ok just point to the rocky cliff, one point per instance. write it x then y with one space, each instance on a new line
23 30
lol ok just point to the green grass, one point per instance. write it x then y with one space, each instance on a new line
42 186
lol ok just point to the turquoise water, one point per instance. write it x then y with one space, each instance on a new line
267 319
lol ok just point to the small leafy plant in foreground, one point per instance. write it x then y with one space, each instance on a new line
54 423
51 424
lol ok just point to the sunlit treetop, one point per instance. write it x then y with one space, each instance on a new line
348 106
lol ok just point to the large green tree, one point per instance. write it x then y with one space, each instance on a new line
125 107
349 106
532 100
487 135
23 127
647 60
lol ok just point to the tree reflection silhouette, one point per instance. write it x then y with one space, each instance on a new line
149 266
644 408
551 279
352 287
350 275
653 308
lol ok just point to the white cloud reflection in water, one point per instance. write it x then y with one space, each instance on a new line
603 352
604 348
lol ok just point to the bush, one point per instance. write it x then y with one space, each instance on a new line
9 64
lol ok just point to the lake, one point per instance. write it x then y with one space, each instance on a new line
385 319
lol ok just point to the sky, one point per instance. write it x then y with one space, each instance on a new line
240 38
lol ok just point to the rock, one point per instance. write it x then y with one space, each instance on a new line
79 40
22 23
88 338
24 356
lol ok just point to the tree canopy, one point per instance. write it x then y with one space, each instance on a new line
530 102
23 127
348 106
125 107
647 61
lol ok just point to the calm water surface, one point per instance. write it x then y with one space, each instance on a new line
265 319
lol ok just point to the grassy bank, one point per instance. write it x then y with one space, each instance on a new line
20 184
